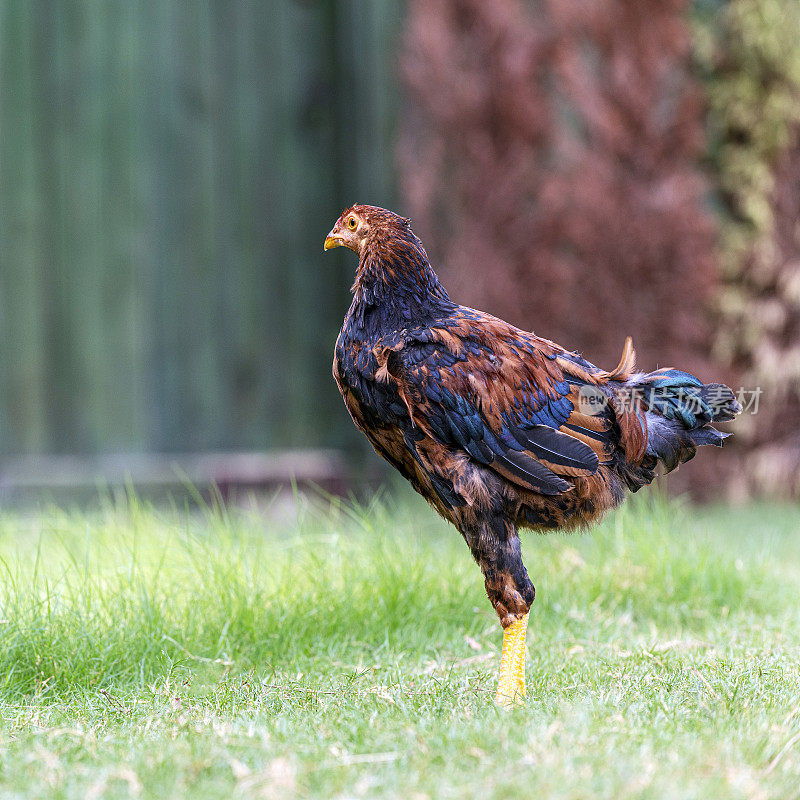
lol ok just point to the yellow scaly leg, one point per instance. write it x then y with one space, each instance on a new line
511 688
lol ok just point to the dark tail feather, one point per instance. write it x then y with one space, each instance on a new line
708 435
722 402
679 409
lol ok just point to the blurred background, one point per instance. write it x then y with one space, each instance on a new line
587 169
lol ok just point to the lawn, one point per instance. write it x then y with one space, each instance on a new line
351 652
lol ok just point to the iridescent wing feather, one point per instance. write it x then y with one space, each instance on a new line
504 397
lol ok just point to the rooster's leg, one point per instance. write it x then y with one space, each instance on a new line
495 546
511 687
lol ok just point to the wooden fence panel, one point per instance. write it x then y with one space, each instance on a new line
167 173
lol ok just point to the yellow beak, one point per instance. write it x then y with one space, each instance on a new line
332 241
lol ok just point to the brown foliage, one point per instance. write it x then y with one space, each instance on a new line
548 162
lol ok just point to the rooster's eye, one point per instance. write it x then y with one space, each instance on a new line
351 223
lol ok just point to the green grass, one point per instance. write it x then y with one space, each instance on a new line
352 653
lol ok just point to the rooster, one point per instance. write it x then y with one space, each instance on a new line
499 429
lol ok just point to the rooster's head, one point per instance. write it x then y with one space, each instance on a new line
359 224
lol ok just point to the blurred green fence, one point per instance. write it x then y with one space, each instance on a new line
168 171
